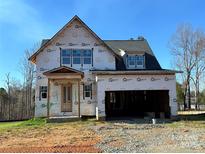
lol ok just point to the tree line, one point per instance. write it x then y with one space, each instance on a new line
187 47
17 97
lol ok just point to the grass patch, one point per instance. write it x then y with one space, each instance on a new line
195 121
36 122
186 124
4 125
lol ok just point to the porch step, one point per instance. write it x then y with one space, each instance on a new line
62 119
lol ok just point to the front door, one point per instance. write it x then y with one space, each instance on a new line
66 98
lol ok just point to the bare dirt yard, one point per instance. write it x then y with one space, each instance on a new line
110 136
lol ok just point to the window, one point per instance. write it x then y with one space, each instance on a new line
131 61
66 93
66 56
88 90
86 56
135 61
140 61
42 92
76 56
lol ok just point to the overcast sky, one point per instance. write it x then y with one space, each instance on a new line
24 23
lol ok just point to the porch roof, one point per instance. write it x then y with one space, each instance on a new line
63 72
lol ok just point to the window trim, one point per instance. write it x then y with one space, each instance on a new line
128 63
70 57
85 90
41 92
82 57
135 66
143 61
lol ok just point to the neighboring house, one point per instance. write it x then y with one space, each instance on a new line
79 74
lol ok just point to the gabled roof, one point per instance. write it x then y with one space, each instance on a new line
47 42
63 70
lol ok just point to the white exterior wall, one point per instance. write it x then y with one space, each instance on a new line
103 84
103 59
49 58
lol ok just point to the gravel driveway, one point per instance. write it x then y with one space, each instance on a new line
135 136
131 135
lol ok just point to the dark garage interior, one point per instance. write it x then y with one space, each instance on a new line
138 103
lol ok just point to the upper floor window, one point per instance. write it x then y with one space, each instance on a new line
140 61
87 56
66 56
76 56
135 61
131 61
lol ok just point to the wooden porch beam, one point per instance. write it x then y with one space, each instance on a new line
48 99
79 98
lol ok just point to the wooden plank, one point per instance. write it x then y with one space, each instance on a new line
48 99
79 98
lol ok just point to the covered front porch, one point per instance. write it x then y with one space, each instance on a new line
63 100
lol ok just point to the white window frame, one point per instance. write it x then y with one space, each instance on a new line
80 57
141 58
128 61
88 90
62 56
83 57
43 91
136 58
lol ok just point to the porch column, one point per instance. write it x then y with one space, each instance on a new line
48 99
79 98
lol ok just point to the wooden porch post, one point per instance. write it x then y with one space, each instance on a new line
48 99
79 98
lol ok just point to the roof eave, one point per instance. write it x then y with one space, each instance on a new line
127 72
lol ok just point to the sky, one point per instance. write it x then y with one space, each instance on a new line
24 23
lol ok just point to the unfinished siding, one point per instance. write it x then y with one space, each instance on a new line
118 82
49 58
77 36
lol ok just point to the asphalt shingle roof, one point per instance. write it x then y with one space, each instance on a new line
130 46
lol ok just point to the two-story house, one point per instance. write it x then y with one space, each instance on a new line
79 74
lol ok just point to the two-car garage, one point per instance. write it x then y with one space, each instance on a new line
136 95
138 103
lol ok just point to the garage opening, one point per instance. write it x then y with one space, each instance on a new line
138 103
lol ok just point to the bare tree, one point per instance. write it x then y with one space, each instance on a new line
8 87
183 47
199 68
27 69
16 104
